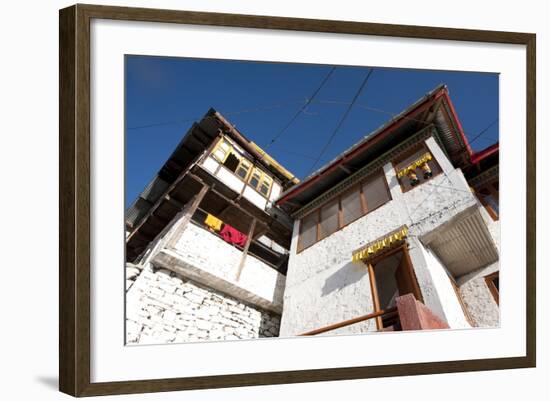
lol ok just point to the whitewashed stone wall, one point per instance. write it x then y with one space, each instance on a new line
207 259
478 299
323 286
164 307
436 286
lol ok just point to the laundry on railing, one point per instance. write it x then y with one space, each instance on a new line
233 236
213 222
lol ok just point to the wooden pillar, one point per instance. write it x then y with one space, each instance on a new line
185 216
245 250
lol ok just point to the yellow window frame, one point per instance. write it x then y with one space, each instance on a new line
269 182
262 178
227 151
247 165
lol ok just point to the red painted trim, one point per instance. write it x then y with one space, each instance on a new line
443 92
371 141
482 154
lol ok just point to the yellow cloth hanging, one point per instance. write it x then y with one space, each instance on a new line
373 248
213 222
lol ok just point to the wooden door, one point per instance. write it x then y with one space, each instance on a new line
405 277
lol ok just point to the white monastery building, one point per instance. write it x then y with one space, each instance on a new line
399 232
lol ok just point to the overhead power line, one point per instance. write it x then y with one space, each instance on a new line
393 114
344 116
483 131
302 109
227 113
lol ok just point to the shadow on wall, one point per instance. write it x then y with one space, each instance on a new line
350 273
269 325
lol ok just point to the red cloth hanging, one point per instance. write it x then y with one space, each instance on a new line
233 236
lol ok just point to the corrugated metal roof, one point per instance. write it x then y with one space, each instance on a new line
464 246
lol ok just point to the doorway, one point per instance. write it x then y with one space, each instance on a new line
391 276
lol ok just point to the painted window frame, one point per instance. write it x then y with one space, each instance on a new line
425 149
489 280
364 207
218 146
264 177
243 162
417 291
489 186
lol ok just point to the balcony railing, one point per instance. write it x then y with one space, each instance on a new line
411 315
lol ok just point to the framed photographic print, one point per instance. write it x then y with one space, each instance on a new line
250 200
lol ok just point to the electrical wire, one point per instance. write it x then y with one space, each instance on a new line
301 110
484 130
344 116
190 119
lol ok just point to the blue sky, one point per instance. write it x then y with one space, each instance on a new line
165 95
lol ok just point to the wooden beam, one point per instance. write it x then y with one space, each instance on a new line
174 201
345 323
167 192
245 250
344 168
186 214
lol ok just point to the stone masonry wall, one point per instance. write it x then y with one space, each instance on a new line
478 299
164 307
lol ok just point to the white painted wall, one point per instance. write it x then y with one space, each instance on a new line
478 299
209 260
324 287
253 196
449 308
210 164
275 191
230 179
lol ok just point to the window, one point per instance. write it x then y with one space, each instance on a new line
492 283
352 207
231 161
329 219
243 169
415 168
265 185
255 178
221 150
343 210
308 230
376 192
488 196
260 181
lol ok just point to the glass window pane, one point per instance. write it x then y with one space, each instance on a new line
243 169
308 231
264 188
265 185
255 178
219 154
329 219
351 206
376 192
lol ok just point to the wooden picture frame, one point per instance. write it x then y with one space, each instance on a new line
75 207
